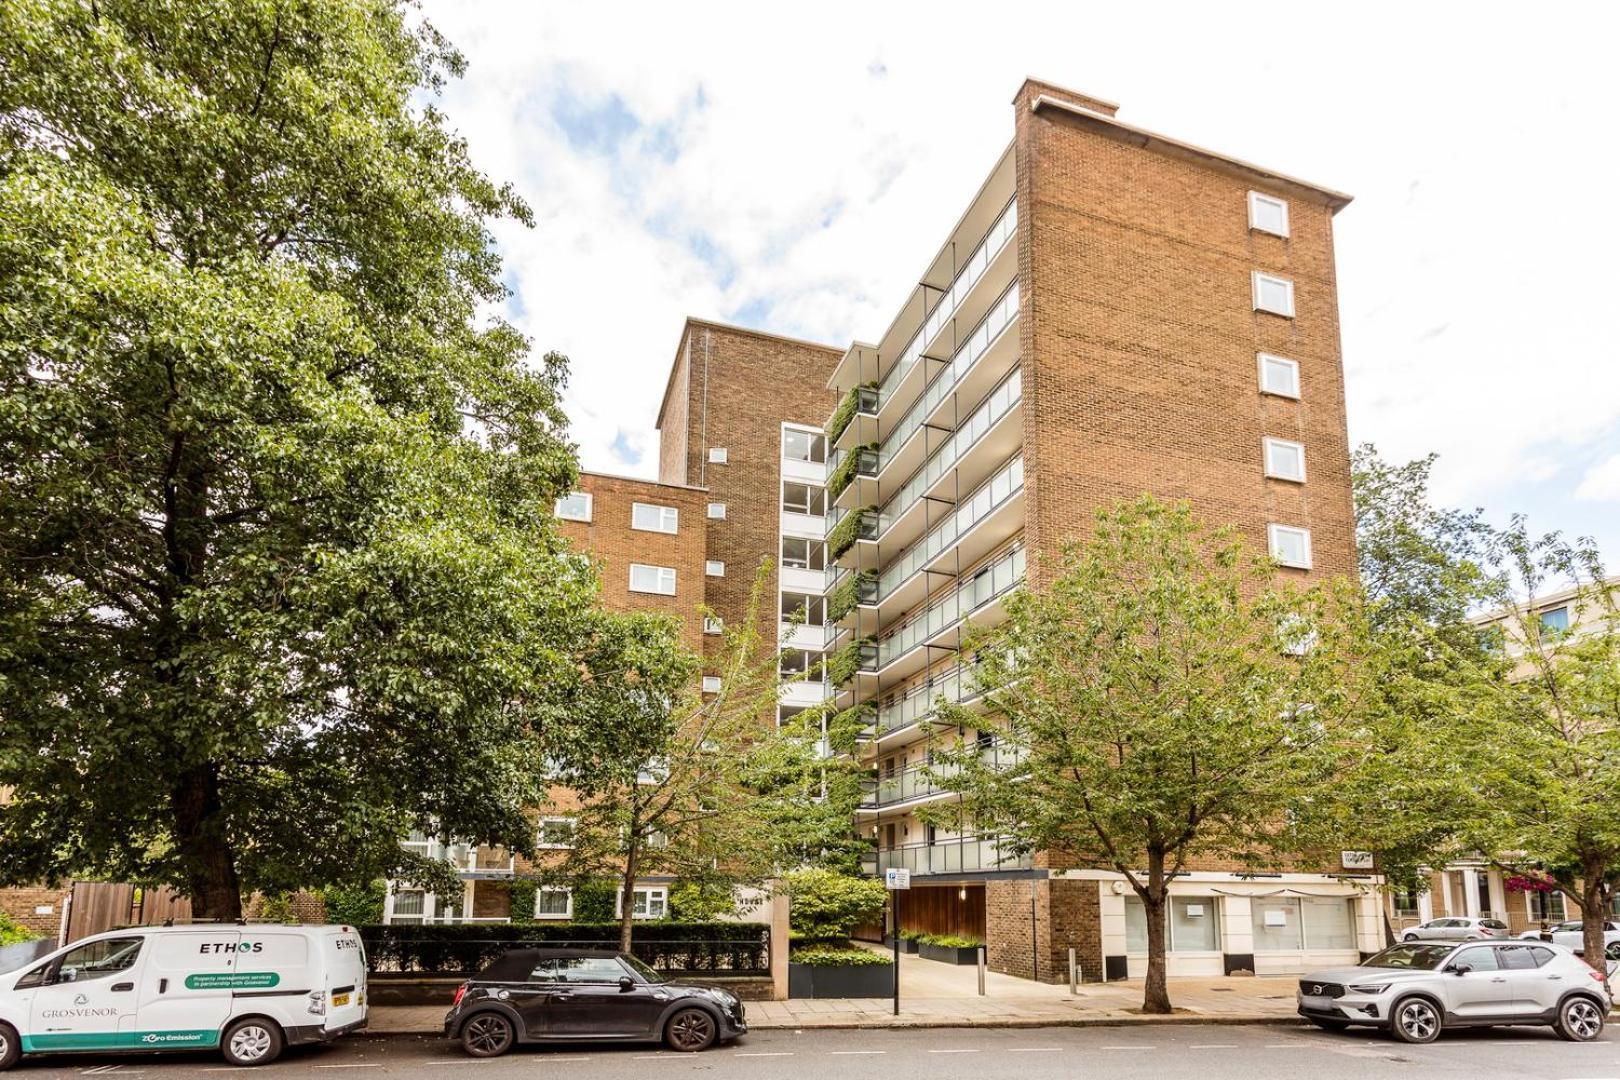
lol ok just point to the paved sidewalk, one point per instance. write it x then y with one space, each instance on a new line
932 995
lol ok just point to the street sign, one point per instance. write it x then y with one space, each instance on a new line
894 878
1356 860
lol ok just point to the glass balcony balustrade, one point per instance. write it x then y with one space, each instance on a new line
1007 482
918 781
979 589
953 856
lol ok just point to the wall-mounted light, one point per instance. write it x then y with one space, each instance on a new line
961 894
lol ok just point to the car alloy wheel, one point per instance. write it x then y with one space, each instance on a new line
1416 1021
1410 937
1613 950
691 1030
487 1035
252 1042
1580 1020
9 1050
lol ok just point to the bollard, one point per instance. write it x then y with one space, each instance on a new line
1073 980
981 971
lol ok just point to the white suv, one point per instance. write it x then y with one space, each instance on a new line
1415 989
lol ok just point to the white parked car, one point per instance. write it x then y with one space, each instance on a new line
1570 935
1456 928
245 990
1416 989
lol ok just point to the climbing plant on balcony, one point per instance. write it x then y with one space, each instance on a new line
845 726
843 664
844 472
842 600
846 411
845 533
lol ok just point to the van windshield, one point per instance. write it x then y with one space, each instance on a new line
1414 956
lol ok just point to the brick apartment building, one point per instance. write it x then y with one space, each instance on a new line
1114 312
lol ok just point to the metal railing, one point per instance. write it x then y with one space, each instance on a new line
917 781
952 856
1007 481
985 585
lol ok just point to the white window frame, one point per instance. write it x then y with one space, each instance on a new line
712 684
669 518
568 912
1262 360
649 891
660 571
717 511
590 506
713 624
714 568
540 843
1274 530
717 455
1272 445
798 429
1260 198
1257 277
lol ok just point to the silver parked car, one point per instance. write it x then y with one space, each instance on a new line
1456 928
1417 988
1571 935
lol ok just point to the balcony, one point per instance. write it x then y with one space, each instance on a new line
861 400
897 654
962 855
955 685
802 580
850 465
923 783
469 860
801 692
807 636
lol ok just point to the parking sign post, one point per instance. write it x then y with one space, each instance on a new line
895 879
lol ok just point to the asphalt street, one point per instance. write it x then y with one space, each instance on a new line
1159 1052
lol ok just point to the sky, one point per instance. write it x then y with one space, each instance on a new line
794 167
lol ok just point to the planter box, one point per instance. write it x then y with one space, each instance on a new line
948 955
840 981
907 945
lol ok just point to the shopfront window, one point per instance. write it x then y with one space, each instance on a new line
1194 925
1289 924
1276 924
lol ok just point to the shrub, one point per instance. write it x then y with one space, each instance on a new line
699 901
838 955
354 905
13 932
522 902
912 935
278 908
845 470
828 906
737 948
949 941
596 902
848 530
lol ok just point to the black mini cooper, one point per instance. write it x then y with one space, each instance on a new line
563 995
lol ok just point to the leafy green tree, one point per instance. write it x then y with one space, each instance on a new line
278 579
13 932
1168 697
352 905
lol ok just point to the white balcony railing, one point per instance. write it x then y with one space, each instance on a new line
952 856
983 586
1007 482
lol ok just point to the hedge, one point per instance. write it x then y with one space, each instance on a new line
673 947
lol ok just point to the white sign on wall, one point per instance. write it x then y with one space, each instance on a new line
1356 860
1195 911
1276 916
896 878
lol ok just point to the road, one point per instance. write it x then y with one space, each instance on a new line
1209 1052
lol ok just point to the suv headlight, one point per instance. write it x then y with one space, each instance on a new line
1368 988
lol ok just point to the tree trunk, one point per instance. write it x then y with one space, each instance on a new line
1155 992
1594 913
627 893
199 826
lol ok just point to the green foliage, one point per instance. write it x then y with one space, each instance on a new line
845 412
848 530
843 664
13 932
594 901
275 519
845 470
835 955
948 941
844 728
521 899
355 905
699 901
828 906
843 599
278 909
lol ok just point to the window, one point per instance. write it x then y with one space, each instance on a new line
1273 294
1328 923
804 499
810 608
1267 213
96 960
650 518
1290 546
575 506
717 511
800 445
1279 376
556 833
1285 460
796 662
652 579
581 969
714 568
801 554
553 903
649 903
1276 924
1555 620
1477 959
711 684
717 455
1193 925
1544 906
712 624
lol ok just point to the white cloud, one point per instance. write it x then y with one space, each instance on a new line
1601 482
800 166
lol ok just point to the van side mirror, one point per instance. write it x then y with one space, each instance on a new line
626 983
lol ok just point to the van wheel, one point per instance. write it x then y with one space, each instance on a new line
253 1041
1579 1020
1416 1020
10 1047
488 1034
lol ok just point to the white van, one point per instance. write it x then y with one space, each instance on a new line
247 990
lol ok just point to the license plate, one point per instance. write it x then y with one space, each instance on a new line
339 1000
1316 1001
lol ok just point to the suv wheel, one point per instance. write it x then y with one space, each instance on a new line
253 1041
487 1034
1613 950
10 1047
1416 1020
1579 1020
691 1030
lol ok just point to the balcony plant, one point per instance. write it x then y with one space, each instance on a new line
850 592
844 728
847 408
843 664
847 466
850 529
